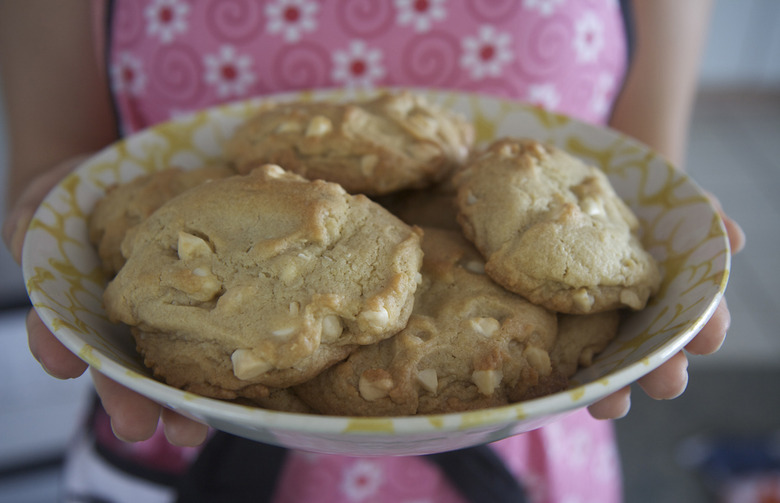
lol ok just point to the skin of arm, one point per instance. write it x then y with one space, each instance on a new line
655 107
57 103
657 99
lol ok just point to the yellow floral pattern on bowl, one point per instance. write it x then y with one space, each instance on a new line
680 228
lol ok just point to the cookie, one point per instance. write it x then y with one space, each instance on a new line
126 205
469 344
553 229
432 207
376 146
581 337
263 279
180 364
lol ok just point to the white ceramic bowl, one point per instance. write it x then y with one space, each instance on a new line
680 228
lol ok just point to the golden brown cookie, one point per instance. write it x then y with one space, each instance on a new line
581 337
180 364
431 207
469 344
126 205
376 146
263 279
553 229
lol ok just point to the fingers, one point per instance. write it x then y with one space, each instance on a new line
735 233
713 334
55 358
133 416
667 381
614 406
671 378
183 431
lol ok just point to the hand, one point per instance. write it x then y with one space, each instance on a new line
671 378
133 416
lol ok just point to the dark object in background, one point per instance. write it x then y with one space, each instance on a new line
735 468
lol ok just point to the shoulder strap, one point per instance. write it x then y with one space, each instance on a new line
480 475
234 469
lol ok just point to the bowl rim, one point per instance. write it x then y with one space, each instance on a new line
200 407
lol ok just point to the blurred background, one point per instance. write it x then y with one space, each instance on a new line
722 436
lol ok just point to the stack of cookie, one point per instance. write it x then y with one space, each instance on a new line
468 280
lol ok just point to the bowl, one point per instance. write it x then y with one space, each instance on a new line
679 227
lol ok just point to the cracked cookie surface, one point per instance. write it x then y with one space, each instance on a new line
126 205
469 344
553 229
264 280
377 146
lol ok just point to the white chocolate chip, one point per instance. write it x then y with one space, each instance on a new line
475 266
202 285
367 164
331 328
487 380
375 384
537 149
592 207
423 125
630 299
471 198
428 380
451 135
289 272
418 278
378 320
485 326
234 299
506 151
289 127
284 332
319 125
583 299
247 365
295 308
274 170
190 246
539 359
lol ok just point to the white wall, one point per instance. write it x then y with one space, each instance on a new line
743 46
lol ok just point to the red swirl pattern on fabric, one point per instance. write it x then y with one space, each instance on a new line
489 11
177 71
301 65
529 50
430 59
546 48
235 21
128 23
364 18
